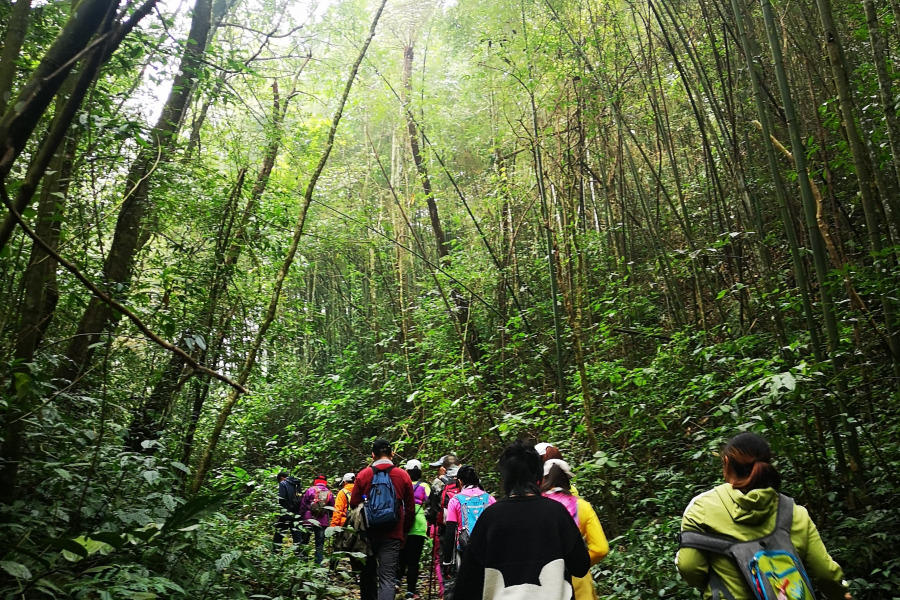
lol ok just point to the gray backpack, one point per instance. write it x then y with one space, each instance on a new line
769 564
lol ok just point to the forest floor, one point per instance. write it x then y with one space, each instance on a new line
427 589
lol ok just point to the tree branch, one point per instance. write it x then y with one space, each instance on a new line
108 300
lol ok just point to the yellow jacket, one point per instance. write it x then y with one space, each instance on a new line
598 548
341 503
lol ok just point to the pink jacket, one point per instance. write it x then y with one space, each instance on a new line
567 500
306 502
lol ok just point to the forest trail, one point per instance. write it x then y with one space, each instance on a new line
240 237
342 576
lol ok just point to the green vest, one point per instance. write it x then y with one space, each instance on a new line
420 527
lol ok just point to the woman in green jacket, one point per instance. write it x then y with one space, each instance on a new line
411 553
745 508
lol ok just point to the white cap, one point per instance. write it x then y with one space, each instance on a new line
559 463
542 448
439 462
413 464
348 478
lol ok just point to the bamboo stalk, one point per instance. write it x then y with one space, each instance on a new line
250 360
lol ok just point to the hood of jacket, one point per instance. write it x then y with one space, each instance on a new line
752 508
292 480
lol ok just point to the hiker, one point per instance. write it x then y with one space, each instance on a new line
342 500
557 485
443 463
341 512
289 500
315 514
411 554
548 451
747 507
434 510
525 545
463 511
390 511
442 491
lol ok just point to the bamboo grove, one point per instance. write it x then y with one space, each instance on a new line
241 235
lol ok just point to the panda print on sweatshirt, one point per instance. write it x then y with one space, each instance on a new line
553 585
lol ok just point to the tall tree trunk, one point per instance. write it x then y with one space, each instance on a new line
250 360
17 125
798 265
443 246
816 242
551 262
149 421
573 292
15 128
129 232
40 296
841 70
800 274
12 45
23 115
885 83
227 253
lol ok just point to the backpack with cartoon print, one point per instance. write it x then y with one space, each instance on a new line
769 564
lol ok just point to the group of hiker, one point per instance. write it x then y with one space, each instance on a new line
741 540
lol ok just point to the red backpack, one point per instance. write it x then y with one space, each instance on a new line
450 489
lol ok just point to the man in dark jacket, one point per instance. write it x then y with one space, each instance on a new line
289 501
380 571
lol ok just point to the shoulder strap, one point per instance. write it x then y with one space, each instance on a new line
463 513
706 541
717 587
785 517
710 543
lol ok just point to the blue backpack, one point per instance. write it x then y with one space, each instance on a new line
471 508
382 510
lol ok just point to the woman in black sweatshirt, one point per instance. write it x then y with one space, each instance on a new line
525 546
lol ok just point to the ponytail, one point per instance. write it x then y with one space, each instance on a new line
468 476
749 465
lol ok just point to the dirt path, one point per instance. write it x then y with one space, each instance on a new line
427 588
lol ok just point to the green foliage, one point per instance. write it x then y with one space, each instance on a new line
691 320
